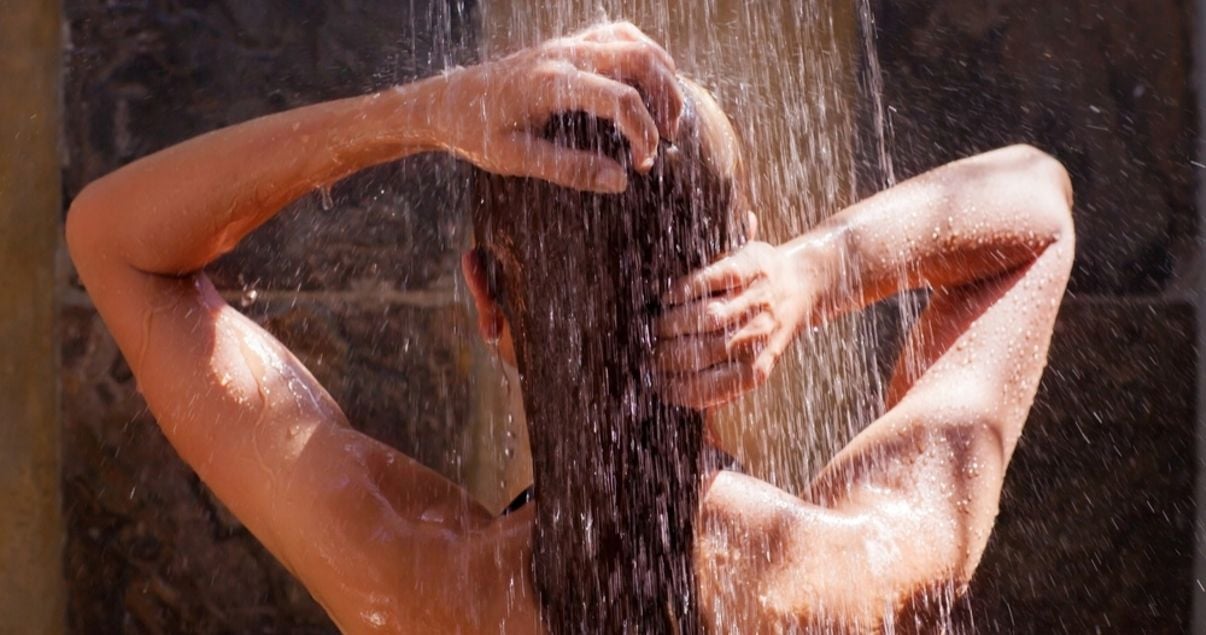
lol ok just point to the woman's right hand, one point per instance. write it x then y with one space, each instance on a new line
493 112
724 327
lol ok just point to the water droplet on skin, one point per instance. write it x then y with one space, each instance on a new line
376 619
432 515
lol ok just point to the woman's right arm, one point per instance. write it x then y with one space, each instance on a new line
349 516
174 211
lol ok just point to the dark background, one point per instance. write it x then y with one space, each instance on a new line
1097 519
1096 527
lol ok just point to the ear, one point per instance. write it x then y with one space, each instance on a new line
489 315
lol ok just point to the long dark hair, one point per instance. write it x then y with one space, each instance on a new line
578 275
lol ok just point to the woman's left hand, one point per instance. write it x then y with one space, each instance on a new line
723 328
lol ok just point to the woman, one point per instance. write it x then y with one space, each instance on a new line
387 545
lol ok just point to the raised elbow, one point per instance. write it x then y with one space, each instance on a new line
1057 174
1046 178
80 225
1037 187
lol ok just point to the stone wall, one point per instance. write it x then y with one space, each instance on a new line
1097 520
361 291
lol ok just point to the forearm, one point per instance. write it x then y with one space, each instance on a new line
176 210
970 220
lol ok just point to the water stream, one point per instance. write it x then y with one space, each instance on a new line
800 80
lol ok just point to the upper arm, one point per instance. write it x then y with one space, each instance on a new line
340 510
964 383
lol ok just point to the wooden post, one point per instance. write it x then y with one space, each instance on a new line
31 586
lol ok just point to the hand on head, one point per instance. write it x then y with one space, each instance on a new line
495 111
723 328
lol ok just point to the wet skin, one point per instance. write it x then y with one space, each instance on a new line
387 545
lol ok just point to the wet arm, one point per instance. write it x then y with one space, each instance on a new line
965 223
899 519
371 533
184 206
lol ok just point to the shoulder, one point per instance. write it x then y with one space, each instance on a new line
424 558
769 561
743 543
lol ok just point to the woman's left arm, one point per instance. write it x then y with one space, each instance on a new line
726 325
906 508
